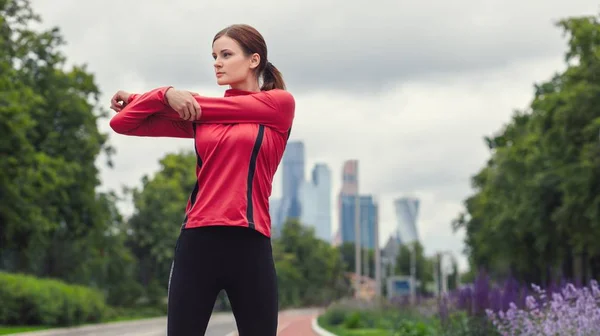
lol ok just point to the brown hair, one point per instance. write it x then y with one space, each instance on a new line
252 42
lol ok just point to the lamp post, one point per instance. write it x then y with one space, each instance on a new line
413 270
440 272
377 257
357 242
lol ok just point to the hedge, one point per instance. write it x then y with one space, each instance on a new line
27 300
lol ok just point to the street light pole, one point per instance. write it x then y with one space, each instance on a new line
357 242
442 275
413 271
377 256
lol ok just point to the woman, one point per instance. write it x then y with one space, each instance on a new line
239 139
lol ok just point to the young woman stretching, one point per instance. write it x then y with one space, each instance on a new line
239 140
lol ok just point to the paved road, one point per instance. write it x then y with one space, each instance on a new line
221 324
297 323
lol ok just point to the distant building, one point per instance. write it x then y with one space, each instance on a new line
275 213
289 206
368 219
390 254
407 212
293 176
347 208
337 238
315 200
350 178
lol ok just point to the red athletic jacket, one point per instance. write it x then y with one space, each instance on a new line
239 142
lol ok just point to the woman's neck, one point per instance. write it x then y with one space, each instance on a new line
249 84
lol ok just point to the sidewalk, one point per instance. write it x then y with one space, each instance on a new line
296 326
297 322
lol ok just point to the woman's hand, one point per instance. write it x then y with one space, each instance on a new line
119 100
184 103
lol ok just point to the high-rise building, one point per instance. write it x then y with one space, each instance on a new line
368 219
275 214
350 178
293 176
315 200
289 205
390 254
407 212
337 238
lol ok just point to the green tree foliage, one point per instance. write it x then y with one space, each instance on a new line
54 223
159 212
424 266
536 210
349 257
310 270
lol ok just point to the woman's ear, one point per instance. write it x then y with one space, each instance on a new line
254 61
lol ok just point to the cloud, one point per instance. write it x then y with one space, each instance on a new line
318 44
421 138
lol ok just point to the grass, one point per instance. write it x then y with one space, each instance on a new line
7 330
116 315
340 331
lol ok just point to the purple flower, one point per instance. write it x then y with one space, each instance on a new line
571 311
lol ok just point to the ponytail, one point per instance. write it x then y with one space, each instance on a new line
272 78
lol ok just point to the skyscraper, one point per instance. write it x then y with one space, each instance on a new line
293 176
275 214
368 219
350 178
407 211
289 205
315 199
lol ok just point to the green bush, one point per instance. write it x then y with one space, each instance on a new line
353 321
334 315
415 328
26 300
461 324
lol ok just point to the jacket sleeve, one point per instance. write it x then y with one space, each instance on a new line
273 108
147 115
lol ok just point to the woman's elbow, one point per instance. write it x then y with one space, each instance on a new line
117 125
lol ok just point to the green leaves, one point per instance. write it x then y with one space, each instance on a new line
310 271
536 201
53 221
155 225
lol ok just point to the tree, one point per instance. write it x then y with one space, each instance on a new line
349 257
156 222
424 266
536 209
49 142
310 271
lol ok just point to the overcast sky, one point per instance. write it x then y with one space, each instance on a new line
408 88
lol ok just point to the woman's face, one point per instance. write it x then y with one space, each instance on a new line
231 65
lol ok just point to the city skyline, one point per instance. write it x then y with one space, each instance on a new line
349 183
314 208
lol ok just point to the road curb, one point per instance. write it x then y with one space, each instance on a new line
318 330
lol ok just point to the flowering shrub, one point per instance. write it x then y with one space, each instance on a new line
571 311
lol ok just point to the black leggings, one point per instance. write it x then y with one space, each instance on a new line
210 259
